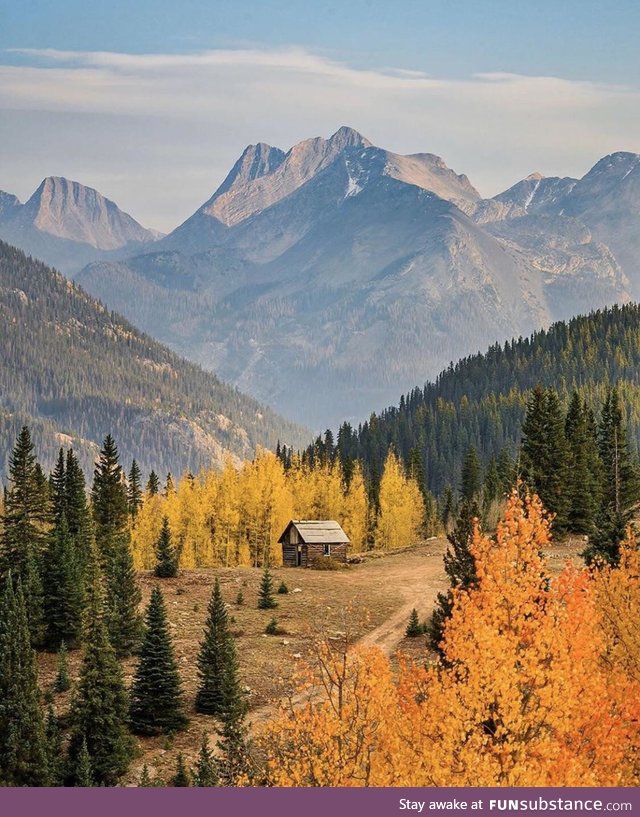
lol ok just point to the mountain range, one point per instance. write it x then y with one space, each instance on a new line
327 279
75 371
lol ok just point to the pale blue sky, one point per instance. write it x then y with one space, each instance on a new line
157 134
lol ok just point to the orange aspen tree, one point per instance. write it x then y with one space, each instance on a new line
527 663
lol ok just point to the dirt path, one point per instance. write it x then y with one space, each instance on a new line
417 575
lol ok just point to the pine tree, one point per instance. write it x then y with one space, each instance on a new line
153 484
99 711
216 651
25 521
62 681
447 506
492 488
23 748
145 779
470 481
283 589
460 567
206 771
58 488
266 600
83 771
134 490
63 589
507 471
55 757
109 500
582 482
234 761
123 598
414 627
619 487
181 777
156 695
545 453
166 559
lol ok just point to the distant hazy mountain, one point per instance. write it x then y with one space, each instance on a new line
326 279
67 224
75 371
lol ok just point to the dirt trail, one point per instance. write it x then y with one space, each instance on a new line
417 575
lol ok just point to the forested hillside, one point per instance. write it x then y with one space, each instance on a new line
74 371
481 400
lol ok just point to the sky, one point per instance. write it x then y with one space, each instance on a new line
152 102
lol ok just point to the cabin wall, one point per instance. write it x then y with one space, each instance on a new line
316 551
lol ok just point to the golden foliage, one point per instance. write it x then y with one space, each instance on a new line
235 516
401 507
528 662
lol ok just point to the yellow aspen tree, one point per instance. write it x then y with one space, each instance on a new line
401 507
355 514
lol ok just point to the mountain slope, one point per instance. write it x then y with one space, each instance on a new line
481 401
306 266
76 371
67 224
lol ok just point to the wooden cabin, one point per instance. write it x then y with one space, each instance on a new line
307 540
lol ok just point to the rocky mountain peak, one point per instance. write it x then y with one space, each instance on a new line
70 210
9 205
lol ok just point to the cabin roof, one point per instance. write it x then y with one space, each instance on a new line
317 531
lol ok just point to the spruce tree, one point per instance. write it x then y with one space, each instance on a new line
123 598
619 487
25 522
109 500
181 777
99 711
414 627
145 779
83 771
216 650
460 567
545 453
23 746
471 477
234 762
58 488
266 600
62 681
134 489
55 756
153 484
492 488
206 771
156 695
582 482
166 558
63 590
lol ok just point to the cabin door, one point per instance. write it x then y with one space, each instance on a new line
299 556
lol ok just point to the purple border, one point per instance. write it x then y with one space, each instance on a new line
122 802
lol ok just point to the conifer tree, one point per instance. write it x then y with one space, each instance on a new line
25 521
145 779
470 480
99 711
206 771
83 772
23 748
413 627
134 489
58 488
234 762
55 757
460 567
63 586
492 486
153 484
156 695
545 453
266 600
217 651
507 471
62 681
123 598
166 558
582 482
620 486
181 777
447 506
109 499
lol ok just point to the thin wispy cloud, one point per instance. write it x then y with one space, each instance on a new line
158 132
